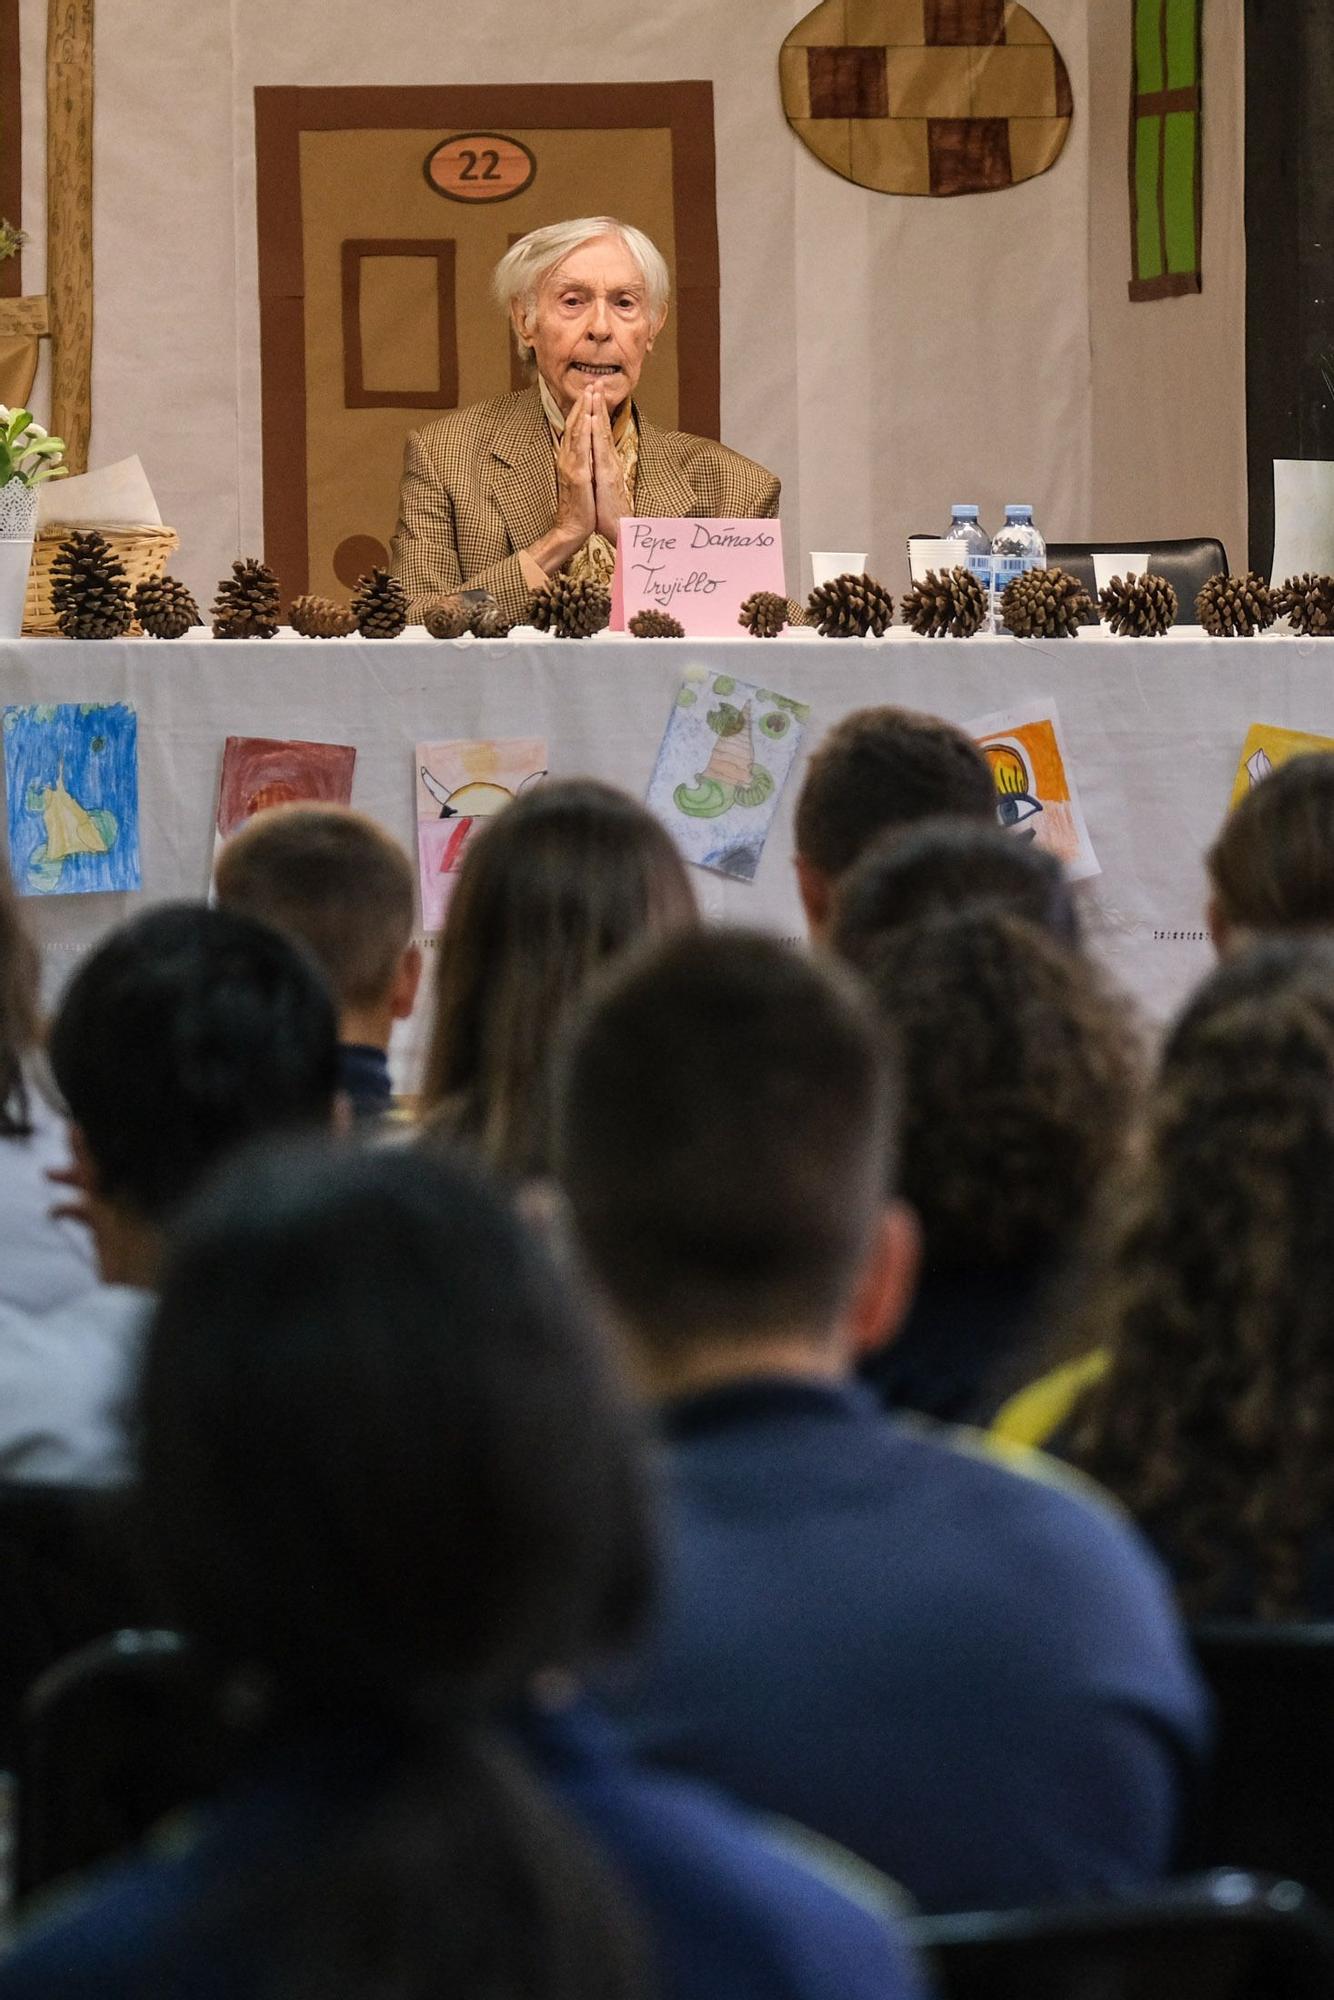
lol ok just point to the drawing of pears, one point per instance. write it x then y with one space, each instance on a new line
731 776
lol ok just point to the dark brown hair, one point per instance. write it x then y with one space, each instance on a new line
332 878
1020 1075
18 1010
1272 865
945 866
550 890
881 768
1215 1293
724 1138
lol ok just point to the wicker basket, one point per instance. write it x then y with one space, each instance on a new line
143 551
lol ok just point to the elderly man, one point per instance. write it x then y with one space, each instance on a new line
507 492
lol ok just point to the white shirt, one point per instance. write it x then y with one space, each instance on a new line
42 1262
65 1380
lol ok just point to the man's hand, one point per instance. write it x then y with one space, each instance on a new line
576 510
612 497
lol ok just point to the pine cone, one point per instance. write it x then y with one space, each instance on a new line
1308 601
380 605
1235 607
764 614
488 621
656 625
448 617
851 607
247 604
948 605
1139 607
90 592
1046 604
321 618
569 610
165 608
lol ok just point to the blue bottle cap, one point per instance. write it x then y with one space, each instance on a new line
1015 512
968 513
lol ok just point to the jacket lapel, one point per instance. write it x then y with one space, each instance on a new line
523 471
661 488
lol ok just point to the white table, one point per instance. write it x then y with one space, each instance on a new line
1153 729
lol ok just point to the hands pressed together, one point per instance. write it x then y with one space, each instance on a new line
591 493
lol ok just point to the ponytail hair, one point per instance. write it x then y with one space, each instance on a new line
387 1469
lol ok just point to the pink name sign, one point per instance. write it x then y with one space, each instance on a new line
701 572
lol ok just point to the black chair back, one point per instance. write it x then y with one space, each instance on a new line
1269 1802
1187 565
1222 1937
111 1739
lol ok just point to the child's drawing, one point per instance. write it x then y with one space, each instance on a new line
1265 748
1036 796
459 782
721 769
72 784
262 771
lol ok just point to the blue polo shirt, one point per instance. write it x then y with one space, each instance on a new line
972 1677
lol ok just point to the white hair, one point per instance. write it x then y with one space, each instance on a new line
520 272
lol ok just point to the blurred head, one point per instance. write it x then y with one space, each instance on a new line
1020 1079
1272 865
336 881
1215 1423
380 1449
550 890
725 1146
877 770
18 1009
942 867
586 299
188 1032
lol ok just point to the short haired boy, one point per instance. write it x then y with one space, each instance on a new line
972 1677
339 883
879 769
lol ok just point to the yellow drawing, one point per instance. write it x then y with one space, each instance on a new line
70 828
1265 748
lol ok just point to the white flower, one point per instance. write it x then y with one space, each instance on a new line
36 431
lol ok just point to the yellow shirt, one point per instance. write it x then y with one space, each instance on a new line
1036 1413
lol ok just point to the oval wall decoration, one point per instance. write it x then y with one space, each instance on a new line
480 166
933 97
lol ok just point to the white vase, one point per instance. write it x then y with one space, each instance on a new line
1303 517
18 520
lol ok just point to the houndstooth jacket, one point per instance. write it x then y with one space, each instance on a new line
480 484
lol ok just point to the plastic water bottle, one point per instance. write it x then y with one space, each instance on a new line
974 542
1017 549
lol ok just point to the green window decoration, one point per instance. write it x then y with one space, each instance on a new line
1165 161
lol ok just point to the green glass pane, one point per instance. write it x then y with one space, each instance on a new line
1148 45
1182 44
1148 240
1179 190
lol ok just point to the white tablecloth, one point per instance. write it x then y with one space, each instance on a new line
1153 729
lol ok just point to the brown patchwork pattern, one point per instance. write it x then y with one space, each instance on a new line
938 97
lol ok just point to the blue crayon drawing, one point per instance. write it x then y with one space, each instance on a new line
72 789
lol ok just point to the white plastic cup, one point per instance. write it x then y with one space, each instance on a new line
826 564
1107 565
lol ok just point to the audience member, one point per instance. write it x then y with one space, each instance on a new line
973 1678
1272 865
342 886
550 890
410 1541
186 1032
880 769
1020 1079
1214 1420
43 1261
945 866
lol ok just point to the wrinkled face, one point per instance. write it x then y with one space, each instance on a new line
590 323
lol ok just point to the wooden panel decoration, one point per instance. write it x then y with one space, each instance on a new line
69 229
11 144
927 97
1165 150
382 213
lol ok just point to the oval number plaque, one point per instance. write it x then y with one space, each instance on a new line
480 166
